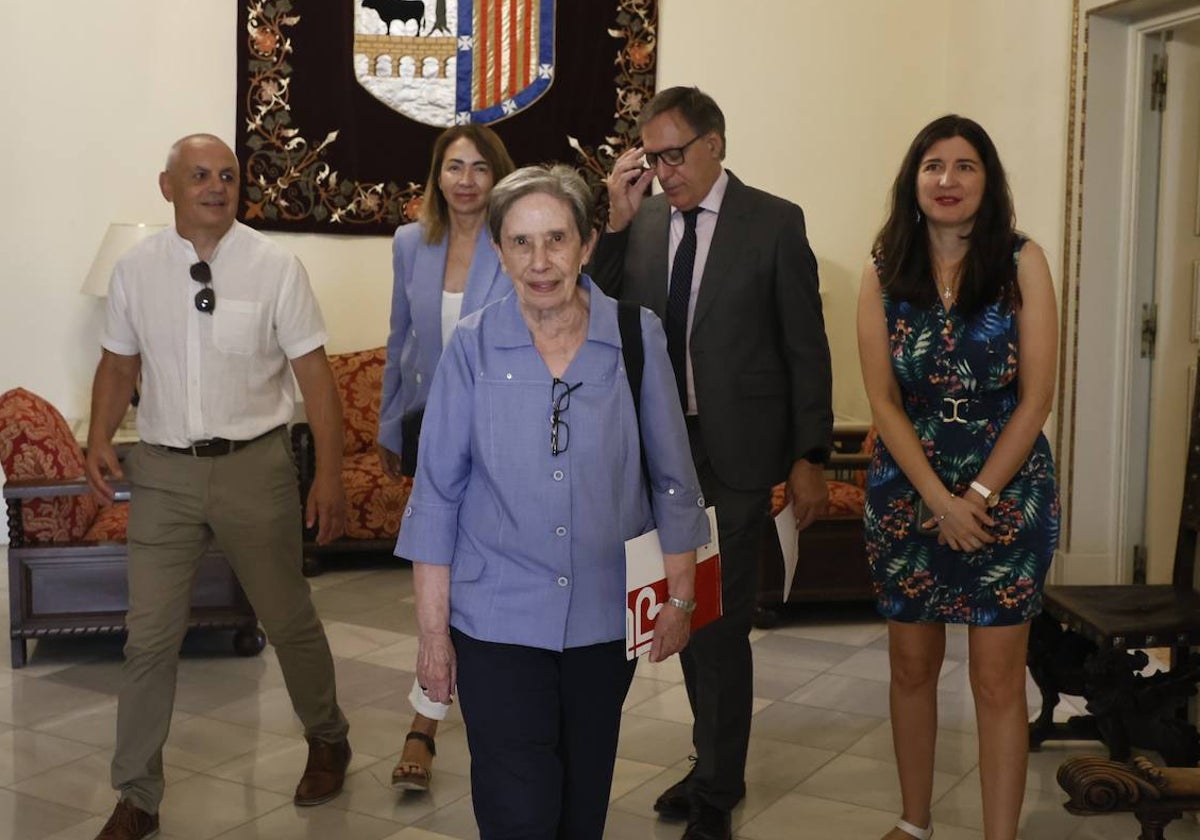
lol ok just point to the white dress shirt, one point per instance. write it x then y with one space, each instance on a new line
706 223
451 313
223 374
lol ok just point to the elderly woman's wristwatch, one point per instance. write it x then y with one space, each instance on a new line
680 604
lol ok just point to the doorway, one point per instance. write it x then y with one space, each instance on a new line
1174 331
1131 289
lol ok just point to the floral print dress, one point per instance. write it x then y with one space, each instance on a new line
958 379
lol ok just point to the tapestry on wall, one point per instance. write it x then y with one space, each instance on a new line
339 102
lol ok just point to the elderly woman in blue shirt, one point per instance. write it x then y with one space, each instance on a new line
529 481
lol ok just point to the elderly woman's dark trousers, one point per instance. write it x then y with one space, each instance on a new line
542 727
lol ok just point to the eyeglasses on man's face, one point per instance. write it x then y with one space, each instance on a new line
206 298
560 401
671 157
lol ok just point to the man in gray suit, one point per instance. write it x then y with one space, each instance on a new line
729 270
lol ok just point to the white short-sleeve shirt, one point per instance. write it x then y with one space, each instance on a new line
224 374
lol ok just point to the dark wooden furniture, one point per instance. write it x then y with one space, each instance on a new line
80 588
832 561
1088 641
1155 796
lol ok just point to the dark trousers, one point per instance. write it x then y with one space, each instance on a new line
718 669
542 728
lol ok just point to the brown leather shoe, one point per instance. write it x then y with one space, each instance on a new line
129 822
325 772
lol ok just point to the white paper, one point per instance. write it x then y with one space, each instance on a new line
646 586
785 526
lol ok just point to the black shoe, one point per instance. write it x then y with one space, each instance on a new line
673 802
707 823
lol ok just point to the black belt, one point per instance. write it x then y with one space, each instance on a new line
216 447
966 409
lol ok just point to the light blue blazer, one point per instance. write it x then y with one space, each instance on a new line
415 341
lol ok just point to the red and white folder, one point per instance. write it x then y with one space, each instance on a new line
646 587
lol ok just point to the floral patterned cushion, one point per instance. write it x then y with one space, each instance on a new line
846 500
110 525
35 442
374 501
359 378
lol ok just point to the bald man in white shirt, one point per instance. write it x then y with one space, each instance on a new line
215 318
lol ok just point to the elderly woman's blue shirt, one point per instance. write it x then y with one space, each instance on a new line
535 542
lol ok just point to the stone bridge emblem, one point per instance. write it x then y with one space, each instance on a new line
452 62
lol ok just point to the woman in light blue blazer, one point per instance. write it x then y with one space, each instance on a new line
444 268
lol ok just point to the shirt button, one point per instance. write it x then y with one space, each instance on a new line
561 531
670 491
558 475
700 501
414 332
508 376
408 511
418 379
562 581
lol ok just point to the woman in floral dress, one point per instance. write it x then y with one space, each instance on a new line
957 333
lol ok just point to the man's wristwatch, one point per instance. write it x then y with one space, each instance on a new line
680 604
990 499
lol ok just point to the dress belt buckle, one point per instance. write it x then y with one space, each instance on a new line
952 417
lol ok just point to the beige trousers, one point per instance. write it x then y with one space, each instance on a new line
249 502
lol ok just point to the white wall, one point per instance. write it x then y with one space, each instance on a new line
822 98
1009 69
87 125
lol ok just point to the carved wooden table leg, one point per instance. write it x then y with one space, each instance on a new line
1153 825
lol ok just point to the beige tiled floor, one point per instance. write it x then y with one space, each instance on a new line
820 763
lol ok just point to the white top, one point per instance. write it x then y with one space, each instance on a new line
706 223
451 312
223 374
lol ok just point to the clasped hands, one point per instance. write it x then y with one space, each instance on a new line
963 523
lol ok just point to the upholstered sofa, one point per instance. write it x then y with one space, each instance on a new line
67 554
374 500
832 555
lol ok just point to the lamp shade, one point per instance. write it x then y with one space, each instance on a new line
118 239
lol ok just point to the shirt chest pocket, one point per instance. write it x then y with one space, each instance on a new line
239 326
518 423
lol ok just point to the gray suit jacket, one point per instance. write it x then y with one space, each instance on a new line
760 358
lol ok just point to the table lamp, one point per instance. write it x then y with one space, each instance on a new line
118 239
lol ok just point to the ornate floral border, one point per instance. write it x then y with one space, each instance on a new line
287 177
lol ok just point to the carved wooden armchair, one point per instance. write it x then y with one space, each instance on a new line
374 501
1156 796
67 557
1089 642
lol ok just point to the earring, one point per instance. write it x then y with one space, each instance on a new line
917 211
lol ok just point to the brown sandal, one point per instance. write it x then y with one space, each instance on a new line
410 775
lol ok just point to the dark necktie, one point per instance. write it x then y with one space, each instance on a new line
678 295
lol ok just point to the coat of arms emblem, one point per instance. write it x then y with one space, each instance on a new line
451 62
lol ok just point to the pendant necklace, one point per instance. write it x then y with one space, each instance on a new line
947 289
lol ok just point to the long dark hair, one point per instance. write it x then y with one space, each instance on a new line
902 247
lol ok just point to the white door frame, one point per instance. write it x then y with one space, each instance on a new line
1100 340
